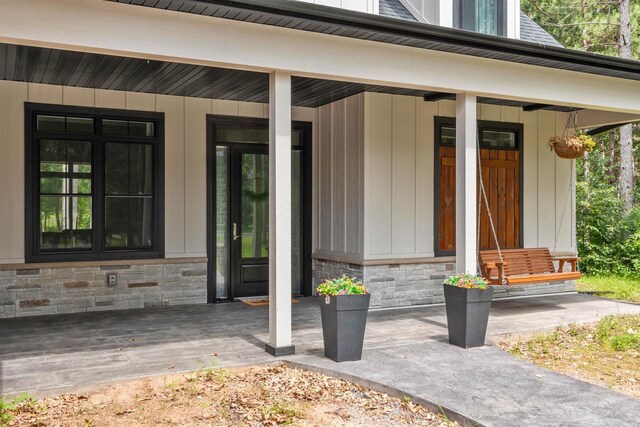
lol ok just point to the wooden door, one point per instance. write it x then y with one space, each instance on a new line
501 174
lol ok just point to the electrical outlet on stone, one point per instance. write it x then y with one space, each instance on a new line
112 279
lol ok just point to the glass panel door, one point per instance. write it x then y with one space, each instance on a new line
241 213
254 199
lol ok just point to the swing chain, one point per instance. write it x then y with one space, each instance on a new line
483 195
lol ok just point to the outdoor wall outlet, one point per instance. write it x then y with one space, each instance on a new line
112 279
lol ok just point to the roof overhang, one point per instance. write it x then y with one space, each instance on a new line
96 71
345 23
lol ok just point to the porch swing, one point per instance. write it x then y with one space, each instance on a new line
521 266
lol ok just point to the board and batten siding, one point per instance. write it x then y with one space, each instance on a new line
185 156
338 184
399 177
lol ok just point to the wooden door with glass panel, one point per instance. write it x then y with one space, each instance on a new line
501 158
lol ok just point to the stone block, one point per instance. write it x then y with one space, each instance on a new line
190 272
143 285
121 305
29 272
62 273
76 284
105 303
32 303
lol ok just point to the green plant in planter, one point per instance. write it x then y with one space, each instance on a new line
342 286
468 281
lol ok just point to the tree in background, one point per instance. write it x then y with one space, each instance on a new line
608 221
625 184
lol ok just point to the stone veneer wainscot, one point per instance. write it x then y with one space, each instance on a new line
407 283
54 288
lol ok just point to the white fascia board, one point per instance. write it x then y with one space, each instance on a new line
118 29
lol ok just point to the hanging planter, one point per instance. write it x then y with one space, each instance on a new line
571 147
573 143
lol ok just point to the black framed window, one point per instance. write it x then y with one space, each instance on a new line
482 16
504 136
94 184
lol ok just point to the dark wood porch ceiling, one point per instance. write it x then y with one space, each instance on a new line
90 70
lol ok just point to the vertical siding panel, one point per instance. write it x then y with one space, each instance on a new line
546 180
510 114
195 175
13 95
325 179
353 178
78 96
140 101
252 109
446 108
404 175
378 174
490 112
174 169
225 107
563 173
46 94
338 170
425 210
303 114
110 99
530 179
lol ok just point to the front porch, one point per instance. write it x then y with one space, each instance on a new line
48 355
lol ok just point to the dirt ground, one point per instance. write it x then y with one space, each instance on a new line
606 353
257 396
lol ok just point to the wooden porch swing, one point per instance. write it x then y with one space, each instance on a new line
521 266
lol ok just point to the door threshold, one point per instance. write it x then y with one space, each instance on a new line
240 299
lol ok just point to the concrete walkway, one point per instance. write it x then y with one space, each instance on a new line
405 353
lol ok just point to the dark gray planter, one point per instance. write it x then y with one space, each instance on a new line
467 315
344 318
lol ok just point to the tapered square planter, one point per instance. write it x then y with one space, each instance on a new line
344 319
467 315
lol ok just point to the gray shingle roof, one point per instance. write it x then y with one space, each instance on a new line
532 32
529 30
395 9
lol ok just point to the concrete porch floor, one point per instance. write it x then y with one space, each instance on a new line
405 349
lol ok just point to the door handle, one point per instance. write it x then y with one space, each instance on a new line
235 231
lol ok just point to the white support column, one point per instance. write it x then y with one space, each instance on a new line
466 183
280 215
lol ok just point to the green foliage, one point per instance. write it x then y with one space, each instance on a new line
342 286
590 25
613 287
619 333
8 408
468 281
608 238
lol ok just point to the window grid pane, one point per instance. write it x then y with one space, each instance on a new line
128 196
62 181
65 189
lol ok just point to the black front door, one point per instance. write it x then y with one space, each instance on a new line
250 220
238 206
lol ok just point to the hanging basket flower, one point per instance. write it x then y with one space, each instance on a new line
571 146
